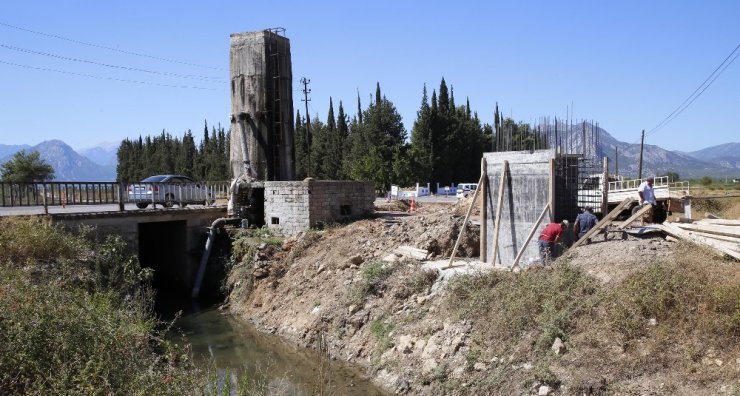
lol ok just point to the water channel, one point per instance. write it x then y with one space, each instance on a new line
234 346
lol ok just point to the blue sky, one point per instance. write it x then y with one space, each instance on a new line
624 64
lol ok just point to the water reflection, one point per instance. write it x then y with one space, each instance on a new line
233 345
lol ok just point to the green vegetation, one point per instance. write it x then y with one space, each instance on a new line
26 168
381 332
666 314
373 276
164 154
77 320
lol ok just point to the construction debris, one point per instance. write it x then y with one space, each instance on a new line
719 234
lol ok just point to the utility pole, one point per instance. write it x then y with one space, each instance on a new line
642 142
307 91
616 160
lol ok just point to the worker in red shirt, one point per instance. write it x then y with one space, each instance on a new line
549 237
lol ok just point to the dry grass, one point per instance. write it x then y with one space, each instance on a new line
673 313
727 208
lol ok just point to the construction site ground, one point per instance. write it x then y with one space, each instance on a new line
626 315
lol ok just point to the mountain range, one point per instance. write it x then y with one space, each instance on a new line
67 163
98 163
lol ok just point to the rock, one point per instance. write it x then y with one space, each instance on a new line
718 362
544 390
391 258
422 299
359 319
261 246
479 366
428 366
458 372
386 379
316 310
353 308
431 348
405 344
260 273
652 322
419 346
558 346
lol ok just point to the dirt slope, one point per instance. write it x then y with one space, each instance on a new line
494 333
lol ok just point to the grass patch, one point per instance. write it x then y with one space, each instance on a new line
373 275
381 331
77 321
538 299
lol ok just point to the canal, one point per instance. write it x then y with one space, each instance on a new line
275 366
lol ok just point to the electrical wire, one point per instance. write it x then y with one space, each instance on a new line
105 78
108 48
191 76
698 91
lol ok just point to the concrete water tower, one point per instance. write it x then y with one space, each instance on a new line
261 106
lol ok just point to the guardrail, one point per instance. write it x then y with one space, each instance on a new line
100 193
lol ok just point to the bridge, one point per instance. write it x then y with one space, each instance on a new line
168 236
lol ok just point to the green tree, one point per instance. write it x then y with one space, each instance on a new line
26 168
300 148
374 140
705 181
672 176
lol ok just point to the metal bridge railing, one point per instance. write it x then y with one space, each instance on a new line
100 193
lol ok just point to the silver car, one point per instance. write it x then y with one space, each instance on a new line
168 190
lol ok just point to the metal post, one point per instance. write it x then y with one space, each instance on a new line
605 187
43 191
642 141
121 186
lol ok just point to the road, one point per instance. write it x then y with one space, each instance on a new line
37 210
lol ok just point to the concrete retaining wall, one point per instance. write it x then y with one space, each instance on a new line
526 194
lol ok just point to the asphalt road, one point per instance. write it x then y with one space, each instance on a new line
36 210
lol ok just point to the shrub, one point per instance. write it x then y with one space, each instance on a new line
81 325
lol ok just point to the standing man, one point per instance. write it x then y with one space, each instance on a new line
584 222
647 196
549 237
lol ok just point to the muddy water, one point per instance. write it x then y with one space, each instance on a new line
233 345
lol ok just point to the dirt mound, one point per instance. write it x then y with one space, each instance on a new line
637 315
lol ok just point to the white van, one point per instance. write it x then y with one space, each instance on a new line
466 189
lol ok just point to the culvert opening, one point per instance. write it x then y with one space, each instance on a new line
163 247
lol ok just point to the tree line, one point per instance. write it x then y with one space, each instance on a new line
446 144
164 154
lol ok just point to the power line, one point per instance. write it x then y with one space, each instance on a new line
105 78
191 76
107 48
698 91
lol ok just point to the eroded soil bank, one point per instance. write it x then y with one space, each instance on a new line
632 316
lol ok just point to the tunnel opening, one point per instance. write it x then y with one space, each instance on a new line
163 247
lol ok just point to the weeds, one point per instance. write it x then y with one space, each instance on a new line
381 333
514 303
73 326
373 276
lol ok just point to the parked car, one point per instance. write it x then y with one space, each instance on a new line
168 190
465 189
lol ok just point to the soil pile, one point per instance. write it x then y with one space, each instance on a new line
634 316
